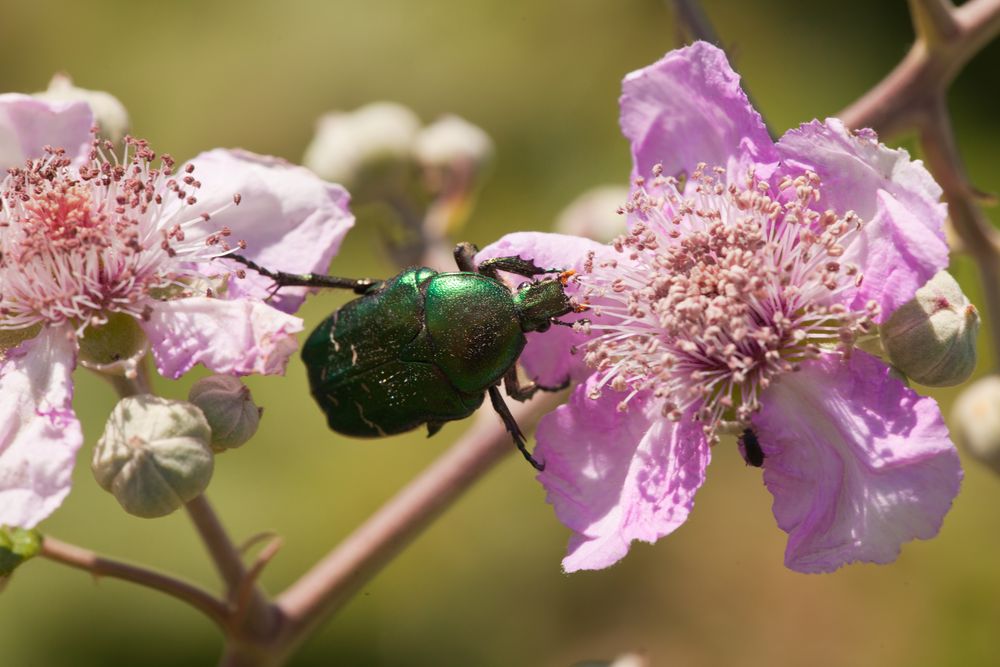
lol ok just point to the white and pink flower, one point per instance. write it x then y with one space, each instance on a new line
87 235
750 270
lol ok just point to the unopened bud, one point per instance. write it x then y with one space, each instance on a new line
229 409
110 114
932 338
975 418
349 145
594 214
154 455
453 143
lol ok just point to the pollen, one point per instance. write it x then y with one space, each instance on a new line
78 243
717 289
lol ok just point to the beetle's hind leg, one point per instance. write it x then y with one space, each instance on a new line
284 279
515 431
522 391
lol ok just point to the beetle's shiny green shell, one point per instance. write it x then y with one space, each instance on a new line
423 348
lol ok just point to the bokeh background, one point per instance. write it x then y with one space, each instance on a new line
483 586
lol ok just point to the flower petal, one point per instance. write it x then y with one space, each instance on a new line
615 476
548 358
39 434
237 337
28 124
857 462
290 218
901 246
688 108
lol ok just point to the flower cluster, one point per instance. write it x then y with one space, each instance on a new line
91 240
750 272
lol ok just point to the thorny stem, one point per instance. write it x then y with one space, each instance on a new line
330 583
100 566
229 562
913 97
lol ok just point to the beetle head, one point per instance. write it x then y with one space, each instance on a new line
538 302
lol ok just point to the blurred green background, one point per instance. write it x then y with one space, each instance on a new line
483 586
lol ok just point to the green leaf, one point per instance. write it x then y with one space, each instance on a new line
16 546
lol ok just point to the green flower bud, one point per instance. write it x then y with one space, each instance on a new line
229 409
932 338
975 418
109 113
154 455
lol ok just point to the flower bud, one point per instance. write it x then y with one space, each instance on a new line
453 143
110 114
594 214
975 418
349 146
932 338
154 455
229 409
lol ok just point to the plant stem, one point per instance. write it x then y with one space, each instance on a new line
99 566
330 583
229 563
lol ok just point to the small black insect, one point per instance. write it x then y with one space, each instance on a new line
750 449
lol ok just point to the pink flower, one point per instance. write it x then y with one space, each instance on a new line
750 270
87 237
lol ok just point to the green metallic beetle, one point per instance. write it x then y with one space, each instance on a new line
426 347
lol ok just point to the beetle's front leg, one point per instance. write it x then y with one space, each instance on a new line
284 279
515 431
523 391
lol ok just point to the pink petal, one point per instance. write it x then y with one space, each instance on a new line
39 434
27 125
901 246
291 219
688 108
237 337
548 357
857 462
614 476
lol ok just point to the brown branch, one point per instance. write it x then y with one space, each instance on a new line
99 566
356 560
913 97
229 563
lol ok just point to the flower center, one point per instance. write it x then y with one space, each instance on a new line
80 243
720 288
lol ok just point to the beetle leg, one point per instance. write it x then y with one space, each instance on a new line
516 265
523 391
512 427
465 256
283 279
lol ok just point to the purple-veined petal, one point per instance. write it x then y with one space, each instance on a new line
235 337
901 245
290 218
28 124
857 462
614 477
548 357
39 434
687 108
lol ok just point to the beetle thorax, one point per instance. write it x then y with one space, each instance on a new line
537 303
